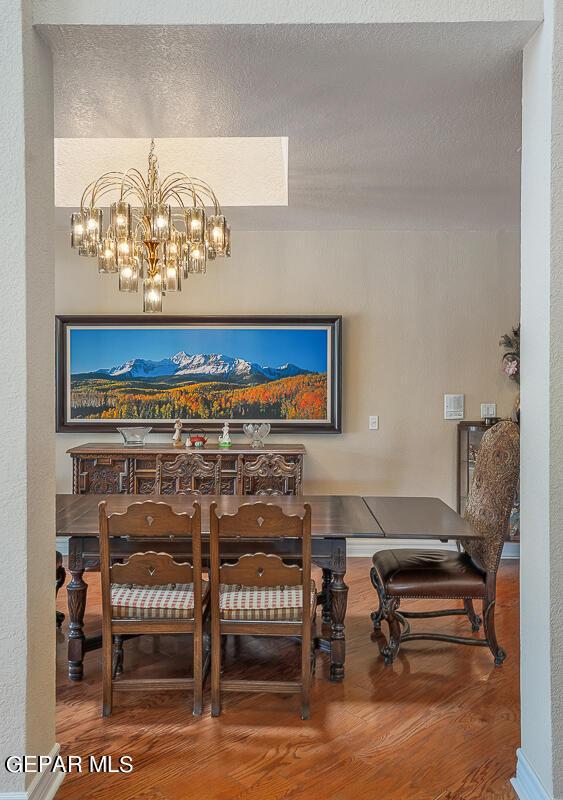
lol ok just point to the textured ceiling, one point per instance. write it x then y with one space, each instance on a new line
389 126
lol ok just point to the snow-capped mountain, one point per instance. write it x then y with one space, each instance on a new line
141 368
203 366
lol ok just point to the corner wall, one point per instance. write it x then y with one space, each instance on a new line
540 759
27 634
423 313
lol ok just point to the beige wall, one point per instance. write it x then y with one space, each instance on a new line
423 312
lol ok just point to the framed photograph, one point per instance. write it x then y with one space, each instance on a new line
119 371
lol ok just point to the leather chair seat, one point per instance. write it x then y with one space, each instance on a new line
429 573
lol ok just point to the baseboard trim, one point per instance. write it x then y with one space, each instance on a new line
526 783
44 785
367 547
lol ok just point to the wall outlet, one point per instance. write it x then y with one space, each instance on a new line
488 410
454 406
374 423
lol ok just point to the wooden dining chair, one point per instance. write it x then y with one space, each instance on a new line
469 574
261 595
151 593
188 473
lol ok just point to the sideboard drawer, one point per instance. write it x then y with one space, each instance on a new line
100 474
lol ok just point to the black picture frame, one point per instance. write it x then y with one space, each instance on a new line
334 383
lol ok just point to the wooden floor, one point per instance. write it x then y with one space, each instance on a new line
442 724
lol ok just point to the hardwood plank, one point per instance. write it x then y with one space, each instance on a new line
441 724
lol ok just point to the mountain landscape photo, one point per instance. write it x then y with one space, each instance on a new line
196 385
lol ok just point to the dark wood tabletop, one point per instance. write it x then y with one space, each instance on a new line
419 518
338 516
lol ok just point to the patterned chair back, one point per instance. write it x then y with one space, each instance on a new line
492 491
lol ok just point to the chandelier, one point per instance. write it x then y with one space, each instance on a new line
159 230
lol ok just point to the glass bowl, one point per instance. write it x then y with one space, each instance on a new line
134 437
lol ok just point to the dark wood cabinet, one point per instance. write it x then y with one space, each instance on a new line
116 469
469 435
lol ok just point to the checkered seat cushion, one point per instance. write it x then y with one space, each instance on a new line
174 601
272 603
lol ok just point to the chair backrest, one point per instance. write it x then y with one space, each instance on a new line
268 474
156 524
254 522
492 491
187 473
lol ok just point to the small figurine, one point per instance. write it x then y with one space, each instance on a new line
225 439
177 438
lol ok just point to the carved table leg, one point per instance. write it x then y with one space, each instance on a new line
327 578
76 592
339 599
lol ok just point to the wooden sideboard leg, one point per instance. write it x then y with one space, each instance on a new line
339 600
76 592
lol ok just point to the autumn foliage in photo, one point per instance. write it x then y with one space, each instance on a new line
299 397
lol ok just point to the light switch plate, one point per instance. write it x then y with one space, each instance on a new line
374 423
454 406
488 410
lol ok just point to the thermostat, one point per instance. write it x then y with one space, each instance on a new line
454 406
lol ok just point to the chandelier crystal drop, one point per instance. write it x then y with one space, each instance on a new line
159 230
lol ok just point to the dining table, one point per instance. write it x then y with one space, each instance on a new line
335 519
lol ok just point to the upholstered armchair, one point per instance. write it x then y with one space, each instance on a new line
469 574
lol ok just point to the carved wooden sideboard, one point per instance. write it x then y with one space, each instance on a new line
115 469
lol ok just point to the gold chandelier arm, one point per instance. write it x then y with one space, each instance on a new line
194 184
203 187
134 192
141 223
137 179
116 181
110 187
195 197
177 178
103 181
90 187
173 193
